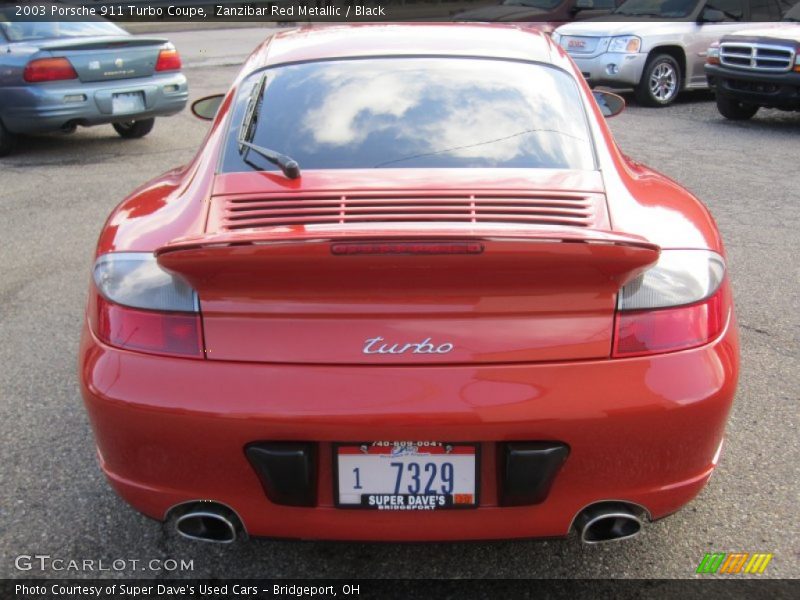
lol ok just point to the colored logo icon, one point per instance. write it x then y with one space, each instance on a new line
734 562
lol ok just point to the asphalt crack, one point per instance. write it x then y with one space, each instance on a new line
756 329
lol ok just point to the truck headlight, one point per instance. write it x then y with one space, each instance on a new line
627 44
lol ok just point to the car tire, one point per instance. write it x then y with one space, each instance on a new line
134 129
7 140
661 81
735 110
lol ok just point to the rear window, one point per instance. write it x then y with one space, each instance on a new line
664 9
416 113
25 31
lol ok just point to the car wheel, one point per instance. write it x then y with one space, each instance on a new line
733 109
660 82
134 129
7 140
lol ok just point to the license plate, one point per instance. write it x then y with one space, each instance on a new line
406 475
127 102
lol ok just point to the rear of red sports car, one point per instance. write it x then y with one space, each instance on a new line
409 294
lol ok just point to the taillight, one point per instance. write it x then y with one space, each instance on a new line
48 69
144 308
168 59
678 303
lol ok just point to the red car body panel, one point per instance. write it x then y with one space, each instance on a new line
284 358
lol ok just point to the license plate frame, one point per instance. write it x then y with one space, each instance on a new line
125 103
450 504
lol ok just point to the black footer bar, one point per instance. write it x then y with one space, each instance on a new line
383 589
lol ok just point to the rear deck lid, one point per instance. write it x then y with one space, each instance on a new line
414 275
108 58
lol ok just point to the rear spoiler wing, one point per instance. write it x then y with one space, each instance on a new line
422 232
106 41
583 257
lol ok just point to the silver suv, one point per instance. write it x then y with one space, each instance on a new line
658 47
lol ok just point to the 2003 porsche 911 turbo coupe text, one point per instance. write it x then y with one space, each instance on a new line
409 289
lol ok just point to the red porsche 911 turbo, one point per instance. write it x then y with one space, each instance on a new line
409 289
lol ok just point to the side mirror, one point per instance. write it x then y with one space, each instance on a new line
206 108
712 15
610 104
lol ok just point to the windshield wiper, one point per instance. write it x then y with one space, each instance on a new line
287 164
247 131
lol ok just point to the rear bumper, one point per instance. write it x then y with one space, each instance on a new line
776 90
40 108
642 430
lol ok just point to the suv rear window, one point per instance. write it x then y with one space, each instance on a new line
416 113
665 9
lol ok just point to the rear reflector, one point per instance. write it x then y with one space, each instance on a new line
350 248
49 69
528 470
178 334
288 471
168 60
669 329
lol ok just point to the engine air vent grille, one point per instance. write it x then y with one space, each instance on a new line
558 209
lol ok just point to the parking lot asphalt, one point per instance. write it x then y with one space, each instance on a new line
54 196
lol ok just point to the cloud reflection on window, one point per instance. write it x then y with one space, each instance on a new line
425 113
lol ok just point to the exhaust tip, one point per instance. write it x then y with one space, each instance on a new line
208 522
609 522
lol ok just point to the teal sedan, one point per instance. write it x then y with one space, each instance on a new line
56 76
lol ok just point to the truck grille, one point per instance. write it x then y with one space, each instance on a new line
560 209
580 45
756 57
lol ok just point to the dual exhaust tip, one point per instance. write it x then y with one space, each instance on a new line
601 522
609 522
